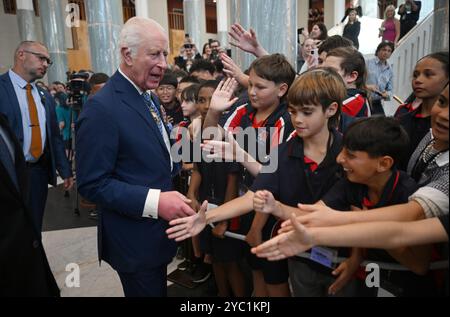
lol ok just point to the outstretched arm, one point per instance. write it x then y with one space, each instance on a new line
187 227
383 235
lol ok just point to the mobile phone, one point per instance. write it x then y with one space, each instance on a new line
229 52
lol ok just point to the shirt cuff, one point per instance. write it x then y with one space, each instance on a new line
151 204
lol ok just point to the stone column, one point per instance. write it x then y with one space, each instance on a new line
302 13
105 21
222 22
369 8
195 21
154 9
25 19
275 23
334 11
440 29
54 38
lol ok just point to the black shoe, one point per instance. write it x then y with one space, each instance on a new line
201 273
183 266
93 214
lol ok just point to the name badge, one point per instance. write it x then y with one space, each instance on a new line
325 256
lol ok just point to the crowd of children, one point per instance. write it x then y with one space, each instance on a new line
331 155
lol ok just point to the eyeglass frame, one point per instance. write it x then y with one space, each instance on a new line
41 57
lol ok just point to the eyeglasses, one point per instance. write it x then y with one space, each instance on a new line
41 57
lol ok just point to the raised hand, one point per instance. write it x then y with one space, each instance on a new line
246 40
173 205
286 244
232 70
222 98
183 228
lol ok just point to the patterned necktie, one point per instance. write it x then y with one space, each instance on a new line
7 160
36 140
154 111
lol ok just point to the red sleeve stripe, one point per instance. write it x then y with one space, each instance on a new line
291 136
234 120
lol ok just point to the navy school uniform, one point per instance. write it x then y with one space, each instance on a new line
415 125
213 188
244 117
356 104
398 189
297 180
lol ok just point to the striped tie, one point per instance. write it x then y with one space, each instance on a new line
154 111
36 140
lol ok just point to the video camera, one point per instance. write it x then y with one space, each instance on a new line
78 89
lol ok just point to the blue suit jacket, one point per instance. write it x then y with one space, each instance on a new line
120 155
9 106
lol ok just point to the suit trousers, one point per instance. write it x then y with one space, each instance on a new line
37 193
150 283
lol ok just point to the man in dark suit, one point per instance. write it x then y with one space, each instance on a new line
31 115
124 164
24 270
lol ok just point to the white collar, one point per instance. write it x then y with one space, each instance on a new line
134 85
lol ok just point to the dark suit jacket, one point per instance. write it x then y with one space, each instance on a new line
120 154
9 106
24 270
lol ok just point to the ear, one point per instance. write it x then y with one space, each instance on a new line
351 78
126 55
385 163
282 89
331 110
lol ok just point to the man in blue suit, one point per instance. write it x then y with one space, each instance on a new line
124 164
30 112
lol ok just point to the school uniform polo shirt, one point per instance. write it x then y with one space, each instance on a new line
356 104
299 179
415 125
345 194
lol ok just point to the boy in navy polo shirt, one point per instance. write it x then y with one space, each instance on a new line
269 80
350 64
307 166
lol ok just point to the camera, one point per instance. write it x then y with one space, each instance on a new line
188 46
78 89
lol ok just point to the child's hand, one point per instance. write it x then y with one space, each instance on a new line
232 70
246 40
221 99
345 272
183 228
263 201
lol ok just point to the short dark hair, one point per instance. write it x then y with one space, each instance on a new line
333 42
179 73
190 93
352 61
274 68
98 78
441 57
209 84
377 136
169 79
383 45
202 65
189 79
59 83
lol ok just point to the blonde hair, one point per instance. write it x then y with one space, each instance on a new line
390 7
